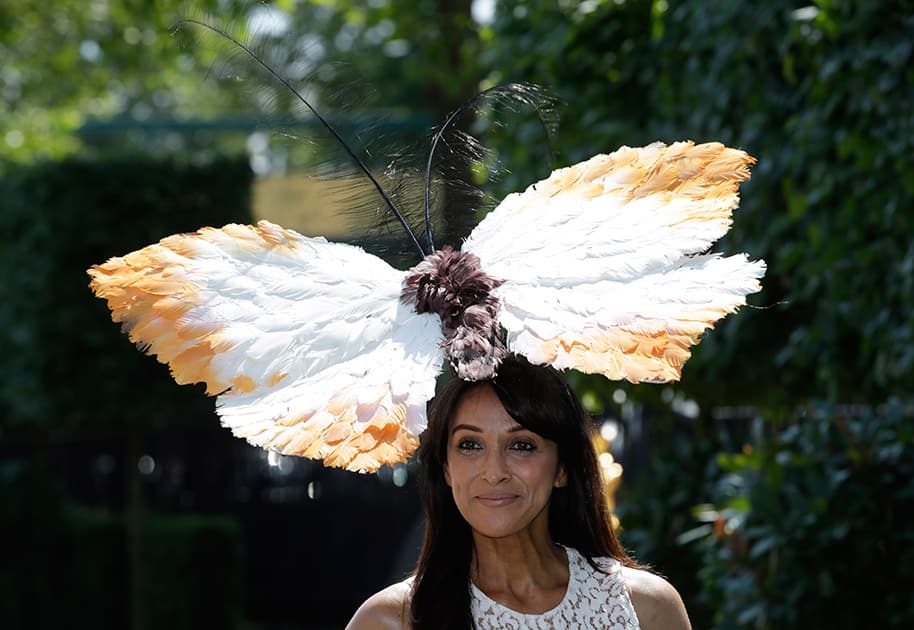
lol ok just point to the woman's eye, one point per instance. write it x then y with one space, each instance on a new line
468 445
524 446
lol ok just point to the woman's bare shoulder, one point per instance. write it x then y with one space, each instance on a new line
657 604
385 610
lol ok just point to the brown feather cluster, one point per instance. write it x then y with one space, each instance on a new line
453 285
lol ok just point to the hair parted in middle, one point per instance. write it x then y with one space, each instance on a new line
538 399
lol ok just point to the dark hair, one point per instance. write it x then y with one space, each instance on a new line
537 398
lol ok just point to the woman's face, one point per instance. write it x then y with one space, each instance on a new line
501 474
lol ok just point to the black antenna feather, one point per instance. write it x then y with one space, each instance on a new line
524 93
285 83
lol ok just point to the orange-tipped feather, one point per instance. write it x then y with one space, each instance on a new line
604 263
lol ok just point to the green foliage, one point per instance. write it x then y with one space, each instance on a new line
822 96
192 563
66 364
655 507
31 511
122 61
806 526
812 527
810 532
67 566
83 60
431 46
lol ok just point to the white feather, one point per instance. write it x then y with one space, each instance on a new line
293 331
600 263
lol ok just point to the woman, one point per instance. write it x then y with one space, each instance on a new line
518 533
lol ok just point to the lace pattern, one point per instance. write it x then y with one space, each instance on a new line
593 599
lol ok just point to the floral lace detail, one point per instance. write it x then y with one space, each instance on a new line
593 599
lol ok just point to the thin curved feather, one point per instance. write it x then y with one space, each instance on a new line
305 341
600 263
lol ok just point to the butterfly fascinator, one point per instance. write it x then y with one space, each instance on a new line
322 350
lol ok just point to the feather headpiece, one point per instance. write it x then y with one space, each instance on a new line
322 350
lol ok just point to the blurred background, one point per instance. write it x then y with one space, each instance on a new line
773 485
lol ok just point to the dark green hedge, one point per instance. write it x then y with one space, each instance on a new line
69 375
812 528
65 567
192 570
821 95
801 525
65 364
656 504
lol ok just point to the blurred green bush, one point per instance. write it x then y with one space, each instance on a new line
807 525
65 364
67 566
811 532
656 504
69 377
821 95
811 528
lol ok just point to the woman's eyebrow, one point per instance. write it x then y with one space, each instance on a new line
465 427
470 427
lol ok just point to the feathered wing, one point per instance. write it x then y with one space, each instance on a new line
602 263
305 341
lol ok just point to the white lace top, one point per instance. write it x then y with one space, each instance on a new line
594 599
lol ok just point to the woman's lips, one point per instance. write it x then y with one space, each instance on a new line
496 500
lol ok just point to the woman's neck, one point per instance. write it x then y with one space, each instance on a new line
525 571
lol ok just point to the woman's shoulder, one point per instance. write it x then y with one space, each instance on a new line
657 604
385 610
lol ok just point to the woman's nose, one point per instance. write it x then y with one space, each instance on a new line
495 468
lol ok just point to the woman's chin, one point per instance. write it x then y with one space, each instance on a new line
493 526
